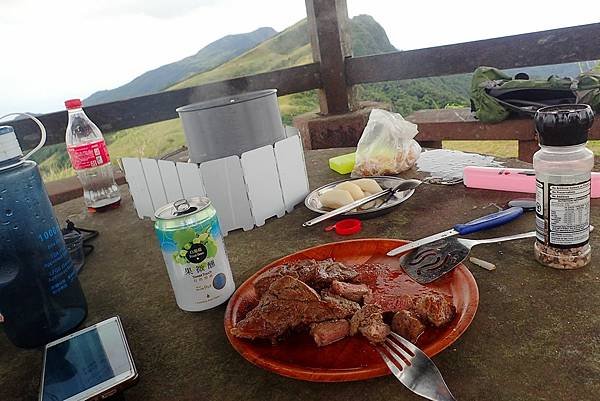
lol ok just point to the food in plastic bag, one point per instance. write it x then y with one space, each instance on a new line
386 146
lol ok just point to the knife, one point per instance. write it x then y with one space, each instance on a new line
473 226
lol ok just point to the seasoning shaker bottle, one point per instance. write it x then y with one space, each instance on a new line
563 168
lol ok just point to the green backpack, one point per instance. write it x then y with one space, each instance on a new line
495 95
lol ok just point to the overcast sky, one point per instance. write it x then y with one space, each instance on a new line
58 49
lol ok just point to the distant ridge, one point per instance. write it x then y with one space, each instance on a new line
291 47
207 58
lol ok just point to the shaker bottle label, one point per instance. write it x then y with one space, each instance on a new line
566 220
89 154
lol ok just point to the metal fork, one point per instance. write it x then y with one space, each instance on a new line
414 369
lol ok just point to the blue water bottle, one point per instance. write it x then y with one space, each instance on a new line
40 296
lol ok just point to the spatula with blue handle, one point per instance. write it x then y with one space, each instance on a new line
473 226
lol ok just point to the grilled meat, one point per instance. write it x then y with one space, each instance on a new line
286 304
353 292
327 271
368 321
408 325
325 333
317 274
435 308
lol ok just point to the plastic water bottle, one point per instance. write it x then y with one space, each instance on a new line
89 157
40 296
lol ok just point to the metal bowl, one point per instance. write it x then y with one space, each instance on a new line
313 203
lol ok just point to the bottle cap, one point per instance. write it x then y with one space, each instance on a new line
346 227
564 124
73 104
9 146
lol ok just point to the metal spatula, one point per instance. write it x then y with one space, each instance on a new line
429 262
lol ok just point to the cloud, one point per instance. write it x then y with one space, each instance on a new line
160 9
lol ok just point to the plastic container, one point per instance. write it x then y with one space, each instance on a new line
231 125
563 168
510 179
90 159
346 227
343 164
40 296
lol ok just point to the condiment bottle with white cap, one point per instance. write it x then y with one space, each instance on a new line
563 168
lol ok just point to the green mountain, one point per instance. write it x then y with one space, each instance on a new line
270 52
207 58
292 47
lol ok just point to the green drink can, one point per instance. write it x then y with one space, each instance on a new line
193 249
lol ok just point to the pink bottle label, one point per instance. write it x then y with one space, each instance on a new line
89 154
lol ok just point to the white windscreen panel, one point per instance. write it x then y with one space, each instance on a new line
170 180
224 184
138 187
155 185
190 180
262 180
292 171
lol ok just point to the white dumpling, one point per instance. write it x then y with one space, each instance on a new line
335 198
353 189
368 185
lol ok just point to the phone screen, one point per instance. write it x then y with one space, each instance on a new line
84 361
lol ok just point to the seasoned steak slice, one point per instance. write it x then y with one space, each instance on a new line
353 292
325 333
435 308
368 321
350 307
408 325
318 274
286 304
301 269
389 302
328 270
264 281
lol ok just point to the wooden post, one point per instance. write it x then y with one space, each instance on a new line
527 149
328 27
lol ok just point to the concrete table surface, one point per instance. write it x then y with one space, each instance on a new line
536 334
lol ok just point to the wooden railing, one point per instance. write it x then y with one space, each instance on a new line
335 71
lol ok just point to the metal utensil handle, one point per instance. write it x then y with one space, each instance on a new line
529 234
489 221
346 208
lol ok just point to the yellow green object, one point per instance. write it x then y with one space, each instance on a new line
342 164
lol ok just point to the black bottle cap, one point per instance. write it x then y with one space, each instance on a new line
564 124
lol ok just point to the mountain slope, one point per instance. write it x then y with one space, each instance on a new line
207 58
291 47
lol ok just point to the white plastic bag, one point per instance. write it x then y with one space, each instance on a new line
386 146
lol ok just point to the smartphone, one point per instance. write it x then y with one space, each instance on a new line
91 364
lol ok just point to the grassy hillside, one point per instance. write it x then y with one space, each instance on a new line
150 140
288 48
292 47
